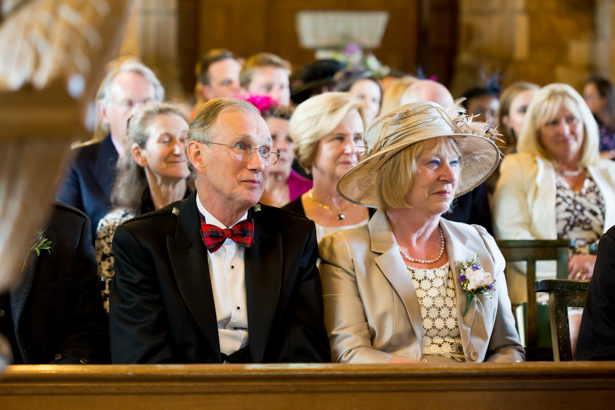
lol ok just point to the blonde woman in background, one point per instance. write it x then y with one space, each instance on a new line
556 186
328 132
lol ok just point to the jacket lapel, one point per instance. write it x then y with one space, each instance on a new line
188 257
473 323
605 181
263 272
394 269
19 298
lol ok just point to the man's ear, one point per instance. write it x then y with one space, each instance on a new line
103 114
196 156
138 156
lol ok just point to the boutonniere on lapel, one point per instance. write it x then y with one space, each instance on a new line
40 243
477 283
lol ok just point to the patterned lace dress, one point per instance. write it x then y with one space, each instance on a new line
104 255
579 215
436 293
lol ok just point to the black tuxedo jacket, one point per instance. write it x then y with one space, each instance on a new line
89 180
161 300
57 311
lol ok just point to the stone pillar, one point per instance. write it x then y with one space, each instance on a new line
152 36
541 41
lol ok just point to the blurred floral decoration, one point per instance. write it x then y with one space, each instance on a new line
353 55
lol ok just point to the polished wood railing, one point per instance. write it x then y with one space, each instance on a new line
526 386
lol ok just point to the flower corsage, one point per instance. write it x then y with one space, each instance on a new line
40 243
477 283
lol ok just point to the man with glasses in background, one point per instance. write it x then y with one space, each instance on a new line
218 277
127 86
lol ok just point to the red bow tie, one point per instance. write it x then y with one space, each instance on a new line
213 237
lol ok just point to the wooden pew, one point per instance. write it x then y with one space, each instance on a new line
526 386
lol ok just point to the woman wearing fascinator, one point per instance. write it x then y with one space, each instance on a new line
410 286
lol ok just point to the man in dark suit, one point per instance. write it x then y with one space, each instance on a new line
90 178
597 333
217 277
56 314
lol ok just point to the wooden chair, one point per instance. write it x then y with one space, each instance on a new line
563 293
532 251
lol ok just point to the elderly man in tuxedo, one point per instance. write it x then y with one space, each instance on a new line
217 277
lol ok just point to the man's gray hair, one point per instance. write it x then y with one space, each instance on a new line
202 128
104 91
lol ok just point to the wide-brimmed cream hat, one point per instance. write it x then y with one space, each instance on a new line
390 133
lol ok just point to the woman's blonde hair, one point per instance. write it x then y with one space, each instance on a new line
399 173
392 96
315 118
544 108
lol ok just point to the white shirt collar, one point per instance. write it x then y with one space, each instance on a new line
212 220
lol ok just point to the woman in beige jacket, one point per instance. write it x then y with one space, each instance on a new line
397 289
556 187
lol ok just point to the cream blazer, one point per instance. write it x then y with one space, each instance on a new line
371 309
524 200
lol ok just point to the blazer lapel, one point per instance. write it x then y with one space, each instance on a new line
394 269
19 298
263 272
188 257
473 323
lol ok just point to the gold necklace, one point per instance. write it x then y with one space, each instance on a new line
340 212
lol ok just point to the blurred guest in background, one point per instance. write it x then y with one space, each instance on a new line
316 78
394 290
513 105
56 315
482 104
89 180
283 184
360 83
556 187
391 97
599 94
267 74
150 176
328 132
217 75
427 90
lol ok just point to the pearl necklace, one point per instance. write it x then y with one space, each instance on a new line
340 212
410 259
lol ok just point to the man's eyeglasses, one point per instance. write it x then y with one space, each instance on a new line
242 152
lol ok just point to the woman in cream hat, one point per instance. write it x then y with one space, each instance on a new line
410 286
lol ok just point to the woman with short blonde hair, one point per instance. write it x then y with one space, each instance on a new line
328 132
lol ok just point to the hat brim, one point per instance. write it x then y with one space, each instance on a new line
480 157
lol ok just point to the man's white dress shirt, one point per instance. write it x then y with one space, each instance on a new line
228 283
